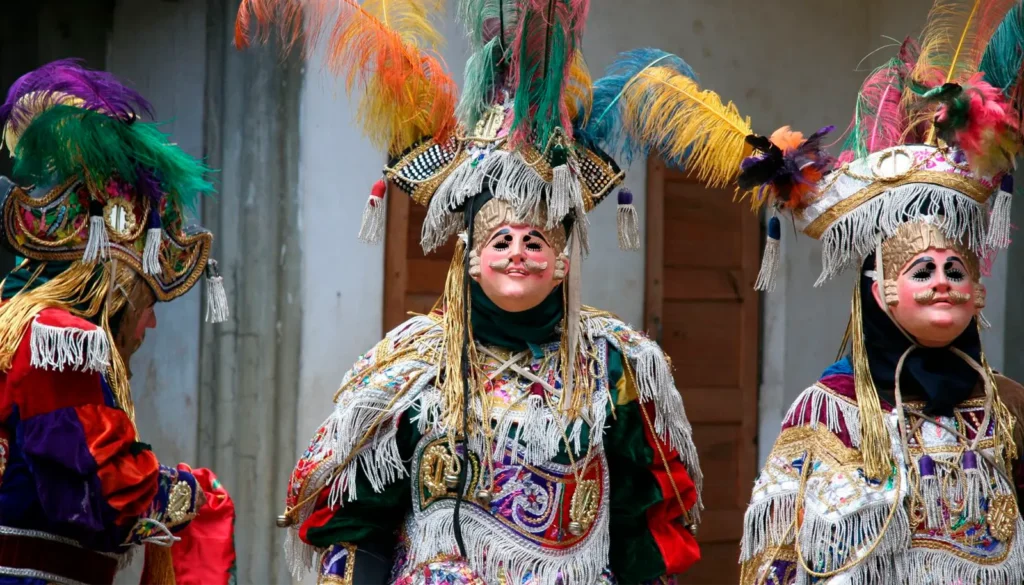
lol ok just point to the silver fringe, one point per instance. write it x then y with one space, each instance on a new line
151 253
98 246
56 348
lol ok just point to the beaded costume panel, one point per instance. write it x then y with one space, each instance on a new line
946 516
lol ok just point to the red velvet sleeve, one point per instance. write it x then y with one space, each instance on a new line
678 546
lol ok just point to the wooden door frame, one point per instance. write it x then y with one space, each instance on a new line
396 264
654 230
750 325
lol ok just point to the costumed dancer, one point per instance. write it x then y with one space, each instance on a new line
96 213
900 465
511 435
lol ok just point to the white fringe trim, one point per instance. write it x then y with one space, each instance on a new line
655 384
815 399
510 179
493 552
151 253
999 222
54 348
98 246
852 237
768 523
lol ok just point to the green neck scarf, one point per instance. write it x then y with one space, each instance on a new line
515 331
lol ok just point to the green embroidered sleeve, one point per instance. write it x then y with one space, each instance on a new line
374 516
635 556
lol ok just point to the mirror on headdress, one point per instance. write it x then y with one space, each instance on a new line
120 219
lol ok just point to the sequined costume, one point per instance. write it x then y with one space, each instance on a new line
95 210
542 446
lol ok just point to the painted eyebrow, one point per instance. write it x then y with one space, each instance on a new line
537 234
501 232
956 259
919 261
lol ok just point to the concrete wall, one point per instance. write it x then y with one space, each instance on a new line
160 49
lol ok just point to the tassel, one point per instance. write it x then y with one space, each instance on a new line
566 192
999 222
158 566
930 492
216 296
98 246
629 222
371 230
977 487
154 237
770 261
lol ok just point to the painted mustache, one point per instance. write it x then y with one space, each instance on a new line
530 266
928 297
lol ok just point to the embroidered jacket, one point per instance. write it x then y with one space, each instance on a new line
815 518
70 464
633 446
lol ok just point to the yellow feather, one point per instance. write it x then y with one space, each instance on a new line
579 91
671 111
410 19
954 40
385 49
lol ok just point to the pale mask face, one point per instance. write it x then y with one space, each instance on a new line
935 297
517 267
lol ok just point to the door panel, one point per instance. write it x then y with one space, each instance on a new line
702 261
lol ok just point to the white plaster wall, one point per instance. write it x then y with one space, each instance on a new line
159 48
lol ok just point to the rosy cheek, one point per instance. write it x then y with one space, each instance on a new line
908 288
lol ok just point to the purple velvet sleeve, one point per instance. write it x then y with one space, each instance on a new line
64 471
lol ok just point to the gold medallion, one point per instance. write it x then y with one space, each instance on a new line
1002 517
435 469
583 508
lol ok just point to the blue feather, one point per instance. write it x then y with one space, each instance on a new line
604 128
1004 54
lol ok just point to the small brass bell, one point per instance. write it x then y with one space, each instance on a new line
484 497
575 528
283 521
451 480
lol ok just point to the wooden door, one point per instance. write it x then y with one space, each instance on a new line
702 261
413 281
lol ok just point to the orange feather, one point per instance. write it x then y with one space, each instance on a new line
383 49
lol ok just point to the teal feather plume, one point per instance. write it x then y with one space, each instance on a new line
1004 55
605 128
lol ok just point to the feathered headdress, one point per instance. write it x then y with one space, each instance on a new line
934 135
100 182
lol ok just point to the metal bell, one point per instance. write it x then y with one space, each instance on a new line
692 528
283 521
484 497
575 528
451 480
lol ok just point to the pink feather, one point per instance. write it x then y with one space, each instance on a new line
990 137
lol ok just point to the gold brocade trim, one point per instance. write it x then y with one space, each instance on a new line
756 570
350 568
933 545
820 441
833 394
970 188
199 245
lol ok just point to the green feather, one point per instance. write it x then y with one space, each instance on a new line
1003 56
478 87
65 141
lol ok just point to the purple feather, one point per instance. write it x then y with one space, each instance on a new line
100 91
